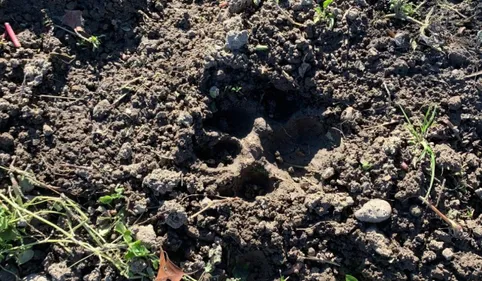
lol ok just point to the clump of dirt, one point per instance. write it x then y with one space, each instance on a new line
245 135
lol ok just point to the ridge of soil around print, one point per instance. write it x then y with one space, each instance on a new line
242 143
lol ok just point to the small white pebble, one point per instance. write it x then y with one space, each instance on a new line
374 211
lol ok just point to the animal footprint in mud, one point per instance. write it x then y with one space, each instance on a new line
222 152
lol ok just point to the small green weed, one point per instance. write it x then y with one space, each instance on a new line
107 199
402 8
365 165
419 134
236 89
350 278
91 40
61 221
323 14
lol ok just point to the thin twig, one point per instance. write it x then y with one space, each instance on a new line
212 204
60 97
473 74
287 15
320 260
32 179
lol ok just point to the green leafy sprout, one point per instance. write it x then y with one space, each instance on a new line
91 40
402 8
107 199
25 222
419 134
365 165
323 14
350 278
236 89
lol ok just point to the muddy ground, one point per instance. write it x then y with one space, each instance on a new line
294 127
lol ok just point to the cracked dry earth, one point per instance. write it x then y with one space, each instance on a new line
285 131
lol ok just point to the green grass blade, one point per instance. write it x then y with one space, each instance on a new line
327 3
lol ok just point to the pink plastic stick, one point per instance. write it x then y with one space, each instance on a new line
12 35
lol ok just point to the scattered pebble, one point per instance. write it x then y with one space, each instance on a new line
350 114
459 57
35 70
35 277
448 254
479 192
102 109
60 271
236 40
454 103
402 40
328 173
415 211
352 15
125 152
146 234
137 266
237 6
177 216
162 181
6 142
185 119
374 211
48 131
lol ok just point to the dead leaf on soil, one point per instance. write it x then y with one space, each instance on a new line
168 270
73 19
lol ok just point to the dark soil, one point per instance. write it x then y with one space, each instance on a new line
166 111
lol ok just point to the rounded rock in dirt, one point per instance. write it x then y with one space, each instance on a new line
146 234
235 40
162 181
35 277
101 110
6 142
177 216
374 211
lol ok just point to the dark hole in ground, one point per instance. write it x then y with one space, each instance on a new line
236 122
222 152
278 105
253 181
249 266
297 141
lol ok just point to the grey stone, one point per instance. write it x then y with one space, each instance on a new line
146 234
479 192
48 131
162 181
448 254
6 142
352 15
237 6
454 103
236 40
415 211
328 173
185 119
350 115
125 152
60 271
35 70
374 211
35 277
102 109
176 214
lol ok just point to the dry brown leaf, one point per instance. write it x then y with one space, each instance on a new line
73 19
168 270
